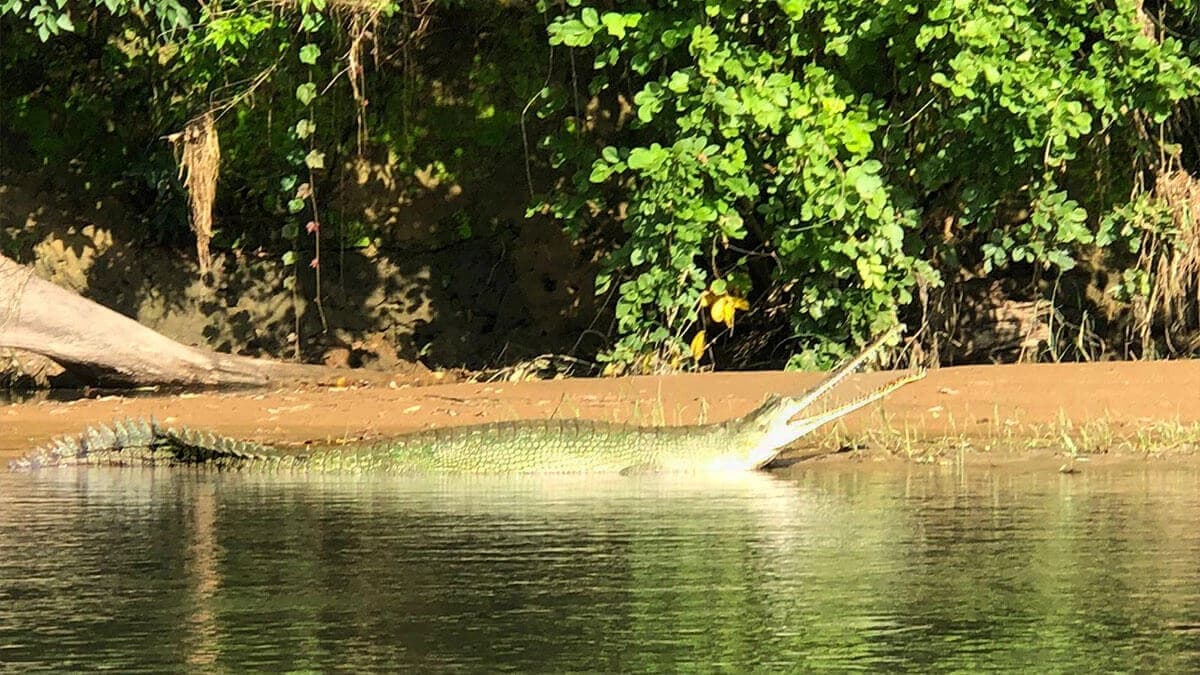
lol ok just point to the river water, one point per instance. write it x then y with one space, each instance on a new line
919 568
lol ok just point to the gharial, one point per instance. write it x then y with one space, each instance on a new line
536 446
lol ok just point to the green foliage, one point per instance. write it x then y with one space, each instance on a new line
102 99
827 159
53 18
816 134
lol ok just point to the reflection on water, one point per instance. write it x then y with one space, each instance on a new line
929 569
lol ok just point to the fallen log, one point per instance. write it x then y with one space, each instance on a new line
105 348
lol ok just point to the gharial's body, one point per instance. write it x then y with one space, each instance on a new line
547 446
541 446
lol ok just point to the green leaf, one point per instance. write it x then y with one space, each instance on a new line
893 233
305 128
289 257
64 22
795 9
312 23
590 17
309 54
867 184
615 24
678 82
637 256
306 92
647 158
572 33
648 101
295 205
600 172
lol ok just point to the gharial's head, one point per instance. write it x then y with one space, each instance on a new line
765 431
774 425
760 435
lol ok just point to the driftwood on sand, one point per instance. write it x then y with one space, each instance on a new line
103 347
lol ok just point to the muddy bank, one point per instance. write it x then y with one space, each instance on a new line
989 412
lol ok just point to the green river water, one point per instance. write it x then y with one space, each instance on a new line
826 567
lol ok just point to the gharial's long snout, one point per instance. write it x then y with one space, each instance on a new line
803 425
784 425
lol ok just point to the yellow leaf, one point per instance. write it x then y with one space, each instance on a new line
698 346
740 303
729 307
717 311
707 298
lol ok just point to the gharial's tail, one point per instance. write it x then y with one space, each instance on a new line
141 441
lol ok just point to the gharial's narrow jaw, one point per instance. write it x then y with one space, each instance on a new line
777 414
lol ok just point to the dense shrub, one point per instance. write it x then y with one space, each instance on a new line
864 149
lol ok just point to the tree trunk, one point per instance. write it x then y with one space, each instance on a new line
105 348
